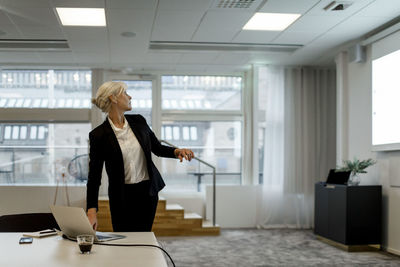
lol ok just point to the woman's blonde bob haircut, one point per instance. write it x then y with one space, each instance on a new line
107 89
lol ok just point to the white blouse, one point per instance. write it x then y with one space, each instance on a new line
132 154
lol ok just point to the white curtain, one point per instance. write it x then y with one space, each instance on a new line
299 142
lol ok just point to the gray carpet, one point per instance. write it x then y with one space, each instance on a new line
277 247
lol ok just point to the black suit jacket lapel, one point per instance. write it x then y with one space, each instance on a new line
112 139
139 133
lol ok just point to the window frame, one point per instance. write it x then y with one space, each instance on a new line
211 115
50 115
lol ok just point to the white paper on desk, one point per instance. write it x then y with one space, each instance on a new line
41 233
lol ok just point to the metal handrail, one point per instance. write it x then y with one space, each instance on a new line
214 177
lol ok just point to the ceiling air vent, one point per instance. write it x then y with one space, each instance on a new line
338 5
33 45
202 46
233 3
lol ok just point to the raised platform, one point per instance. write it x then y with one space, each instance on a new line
170 220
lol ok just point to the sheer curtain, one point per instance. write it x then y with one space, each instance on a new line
299 142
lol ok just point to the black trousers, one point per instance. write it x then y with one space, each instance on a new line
138 211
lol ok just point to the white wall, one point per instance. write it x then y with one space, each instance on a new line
192 202
32 199
236 206
358 138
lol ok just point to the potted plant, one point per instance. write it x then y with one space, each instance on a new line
355 167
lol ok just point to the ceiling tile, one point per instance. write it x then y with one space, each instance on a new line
175 25
301 38
255 37
232 58
234 20
128 51
136 4
193 5
214 35
4 19
217 26
355 27
11 31
18 57
132 20
56 57
382 8
236 6
318 9
155 57
34 16
327 41
79 3
41 32
266 58
316 24
200 58
90 57
288 6
5 4
87 39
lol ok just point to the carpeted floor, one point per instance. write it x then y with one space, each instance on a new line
277 247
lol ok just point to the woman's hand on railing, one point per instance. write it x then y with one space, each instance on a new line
182 153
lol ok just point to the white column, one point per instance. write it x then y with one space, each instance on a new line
249 145
342 108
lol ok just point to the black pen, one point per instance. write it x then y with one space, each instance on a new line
46 232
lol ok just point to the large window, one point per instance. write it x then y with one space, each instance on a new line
40 152
201 92
211 126
141 93
45 89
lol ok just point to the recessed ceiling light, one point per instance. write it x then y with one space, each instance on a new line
270 21
128 34
81 16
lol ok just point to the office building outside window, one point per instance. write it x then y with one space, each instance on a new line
217 141
38 153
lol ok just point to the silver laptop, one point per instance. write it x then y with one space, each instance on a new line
73 222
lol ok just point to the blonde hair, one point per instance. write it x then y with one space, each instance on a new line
107 89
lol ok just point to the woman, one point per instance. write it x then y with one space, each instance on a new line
124 143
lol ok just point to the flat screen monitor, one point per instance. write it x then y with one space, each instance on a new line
335 177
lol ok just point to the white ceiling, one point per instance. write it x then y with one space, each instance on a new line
321 33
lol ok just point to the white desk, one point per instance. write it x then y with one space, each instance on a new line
56 251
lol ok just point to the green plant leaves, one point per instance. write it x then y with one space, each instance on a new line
355 166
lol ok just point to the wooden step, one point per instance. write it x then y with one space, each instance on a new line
198 231
162 203
172 211
170 220
190 220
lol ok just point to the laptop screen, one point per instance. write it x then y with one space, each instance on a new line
335 177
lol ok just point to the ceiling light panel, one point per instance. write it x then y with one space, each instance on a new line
270 21
82 16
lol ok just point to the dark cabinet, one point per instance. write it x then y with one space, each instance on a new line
350 215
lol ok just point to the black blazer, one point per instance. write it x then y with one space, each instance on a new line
104 147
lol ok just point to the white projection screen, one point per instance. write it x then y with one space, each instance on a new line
386 102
